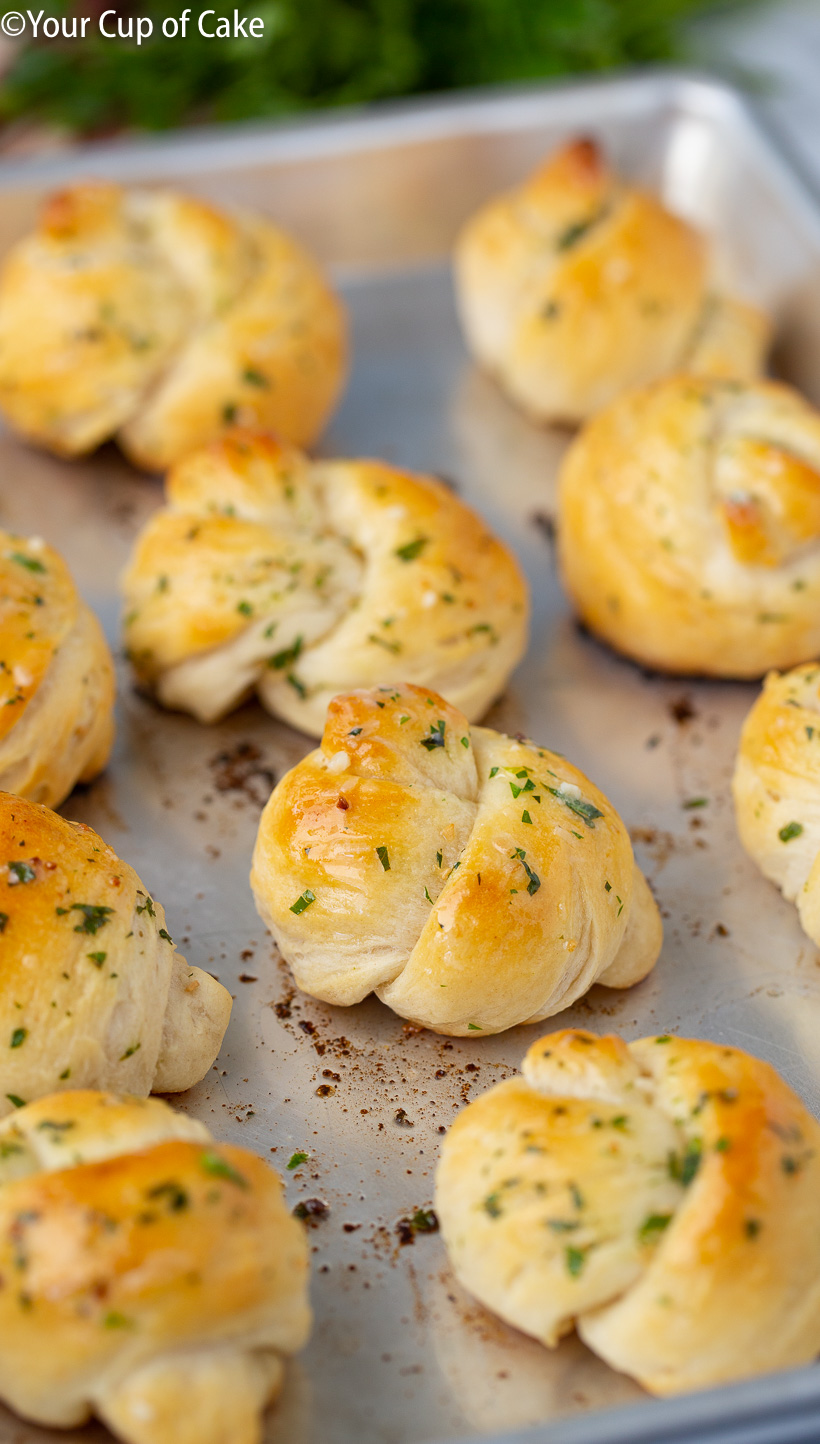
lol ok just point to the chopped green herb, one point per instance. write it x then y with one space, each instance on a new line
575 1259
752 1227
411 550
435 737
296 1160
115 1320
220 1168
475 1028
255 378
4 917
585 810
30 563
684 1168
653 1226
424 1220
465 741
96 917
394 647
608 887
245 609
792 829
21 872
428 897
176 1196
438 858
492 1204
381 853
573 233
15 1101
297 685
563 1225
286 656
534 880
97 958
525 817
303 901
493 771
166 936
130 1051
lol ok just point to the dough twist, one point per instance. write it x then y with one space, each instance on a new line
152 318
575 286
776 788
471 881
689 526
659 1196
150 1277
297 579
56 677
92 990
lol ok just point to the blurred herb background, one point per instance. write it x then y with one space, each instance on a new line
318 53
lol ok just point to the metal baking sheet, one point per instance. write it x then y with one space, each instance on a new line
399 1353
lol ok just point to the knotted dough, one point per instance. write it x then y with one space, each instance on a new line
470 880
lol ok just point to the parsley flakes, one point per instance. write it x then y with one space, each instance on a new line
435 737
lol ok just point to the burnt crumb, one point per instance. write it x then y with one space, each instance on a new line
327 1073
243 770
350 1227
440 1073
520 737
546 525
401 1117
682 710
283 1009
412 1030
652 742
404 1231
325 1090
248 978
343 804
312 1210
721 931
471 1068
245 954
306 1025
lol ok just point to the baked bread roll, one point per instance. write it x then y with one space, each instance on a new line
470 880
150 1277
154 319
660 1197
575 286
56 676
92 990
689 526
268 572
776 788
